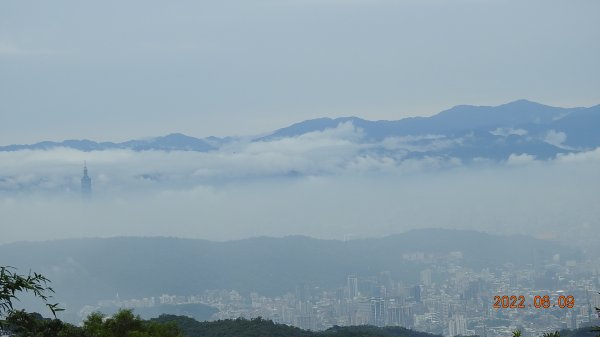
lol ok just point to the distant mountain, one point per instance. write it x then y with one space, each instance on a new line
458 119
465 132
520 127
84 271
172 142
581 128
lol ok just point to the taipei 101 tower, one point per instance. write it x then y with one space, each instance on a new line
86 184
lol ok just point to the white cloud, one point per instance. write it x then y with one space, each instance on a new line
326 152
370 196
592 157
345 135
556 138
335 151
520 159
337 185
421 143
339 190
505 132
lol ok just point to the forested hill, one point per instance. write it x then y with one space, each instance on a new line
143 267
126 323
266 328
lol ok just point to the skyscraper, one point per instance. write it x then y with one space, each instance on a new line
86 184
457 326
378 312
352 286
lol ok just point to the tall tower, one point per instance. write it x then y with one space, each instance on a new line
86 184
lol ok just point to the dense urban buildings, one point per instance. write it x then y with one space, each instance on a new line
448 299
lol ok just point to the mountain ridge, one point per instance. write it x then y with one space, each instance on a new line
467 133
267 265
310 125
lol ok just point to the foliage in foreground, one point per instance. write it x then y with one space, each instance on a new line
123 324
126 324
12 283
580 332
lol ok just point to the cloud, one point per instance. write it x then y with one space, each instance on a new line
505 132
556 138
520 159
421 143
335 151
326 152
369 196
591 157
343 136
323 184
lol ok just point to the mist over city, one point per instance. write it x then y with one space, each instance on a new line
324 184
300 168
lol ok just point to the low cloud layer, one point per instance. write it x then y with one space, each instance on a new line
321 184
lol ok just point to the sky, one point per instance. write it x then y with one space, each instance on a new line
119 70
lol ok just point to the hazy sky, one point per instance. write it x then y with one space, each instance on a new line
116 70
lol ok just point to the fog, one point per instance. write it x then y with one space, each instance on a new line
320 184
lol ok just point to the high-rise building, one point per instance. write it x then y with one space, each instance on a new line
394 314
426 277
571 319
378 313
416 292
360 312
352 286
407 319
457 326
86 183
